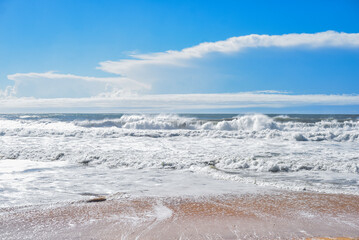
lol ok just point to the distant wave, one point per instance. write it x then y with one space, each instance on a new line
248 126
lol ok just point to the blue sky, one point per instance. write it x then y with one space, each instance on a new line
113 56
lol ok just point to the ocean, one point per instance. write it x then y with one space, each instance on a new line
51 158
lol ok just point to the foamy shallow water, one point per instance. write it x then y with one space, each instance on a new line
67 157
37 183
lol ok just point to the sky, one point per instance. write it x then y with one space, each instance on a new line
179 56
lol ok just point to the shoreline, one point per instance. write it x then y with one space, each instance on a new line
279 214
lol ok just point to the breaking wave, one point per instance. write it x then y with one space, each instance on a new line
247 126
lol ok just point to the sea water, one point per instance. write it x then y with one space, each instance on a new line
68 157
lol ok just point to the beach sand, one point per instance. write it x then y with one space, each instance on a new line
276 215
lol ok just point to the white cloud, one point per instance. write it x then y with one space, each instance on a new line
231 45
122 81
176 102
52 85
270 91
8 92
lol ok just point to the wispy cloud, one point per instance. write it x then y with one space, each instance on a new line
122 81
270 91
8 92
231 45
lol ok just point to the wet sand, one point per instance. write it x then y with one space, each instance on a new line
276 215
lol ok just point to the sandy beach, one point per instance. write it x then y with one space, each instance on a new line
278 215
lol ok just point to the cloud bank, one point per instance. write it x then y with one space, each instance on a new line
179 102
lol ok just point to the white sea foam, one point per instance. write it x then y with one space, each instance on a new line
250 148
162 213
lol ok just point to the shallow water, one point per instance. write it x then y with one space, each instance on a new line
66 157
